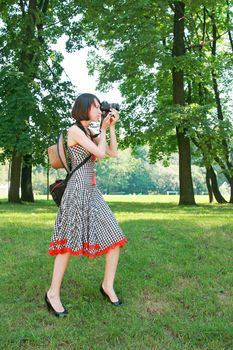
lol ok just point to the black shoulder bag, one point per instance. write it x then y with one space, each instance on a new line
58 187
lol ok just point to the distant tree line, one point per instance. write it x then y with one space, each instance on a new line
129 174
132 173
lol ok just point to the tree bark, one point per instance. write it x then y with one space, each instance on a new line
214 184
16 162
47 182
229 178
211 179
231 191
228 166
228 23
26 180
185 175
209 186
230 181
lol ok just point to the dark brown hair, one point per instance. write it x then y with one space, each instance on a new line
82 106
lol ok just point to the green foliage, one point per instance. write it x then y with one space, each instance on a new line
130 173
35 102
125 174
138 41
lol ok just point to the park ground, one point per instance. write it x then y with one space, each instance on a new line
175 277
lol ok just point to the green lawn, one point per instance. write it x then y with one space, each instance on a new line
175 277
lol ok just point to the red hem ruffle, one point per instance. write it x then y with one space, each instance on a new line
57 251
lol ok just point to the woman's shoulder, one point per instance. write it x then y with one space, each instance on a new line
74 135
74 129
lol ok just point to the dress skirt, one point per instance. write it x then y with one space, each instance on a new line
85 224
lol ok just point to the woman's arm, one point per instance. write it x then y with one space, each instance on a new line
77 136
111 149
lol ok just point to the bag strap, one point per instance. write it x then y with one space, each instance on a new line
77 167
58 151
83 162
80 126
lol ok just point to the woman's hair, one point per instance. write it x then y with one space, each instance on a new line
82 106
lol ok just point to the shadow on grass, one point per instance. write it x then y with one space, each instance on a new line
168 207
133 207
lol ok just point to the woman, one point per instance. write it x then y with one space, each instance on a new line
85 224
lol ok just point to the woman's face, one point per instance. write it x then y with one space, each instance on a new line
95 112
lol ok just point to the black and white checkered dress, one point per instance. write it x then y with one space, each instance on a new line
85 225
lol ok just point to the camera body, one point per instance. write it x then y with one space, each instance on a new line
105 108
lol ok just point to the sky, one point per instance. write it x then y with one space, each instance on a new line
76 69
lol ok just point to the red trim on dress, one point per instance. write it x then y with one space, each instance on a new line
63 241
91 246
84 252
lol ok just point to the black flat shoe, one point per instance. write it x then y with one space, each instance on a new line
50 308
115 303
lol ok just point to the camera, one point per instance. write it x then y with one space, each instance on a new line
105 108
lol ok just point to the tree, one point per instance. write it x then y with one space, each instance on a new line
139 40
30 86
213 138
131 173
186 184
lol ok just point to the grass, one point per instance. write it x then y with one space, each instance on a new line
175 276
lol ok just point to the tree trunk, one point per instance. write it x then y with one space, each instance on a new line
228 160
26 180
230 181
16 162
29 60
228 24
47 182
231 193
214 184
209 186
185 175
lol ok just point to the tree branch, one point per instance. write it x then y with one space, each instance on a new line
204 25
22 7
228 23
171 5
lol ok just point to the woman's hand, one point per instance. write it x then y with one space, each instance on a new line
106 122
114 116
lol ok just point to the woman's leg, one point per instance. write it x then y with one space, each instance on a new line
60 265
112 258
